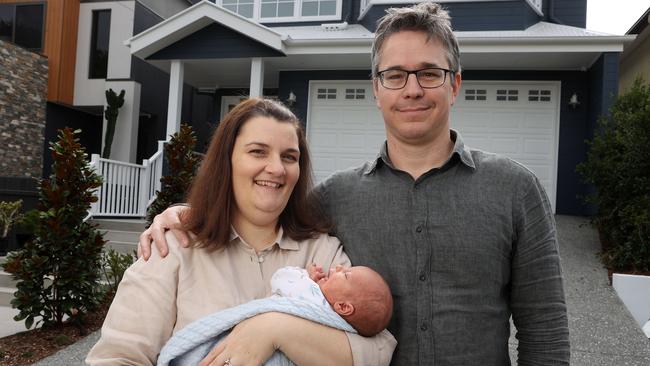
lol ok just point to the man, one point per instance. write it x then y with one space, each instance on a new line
464 238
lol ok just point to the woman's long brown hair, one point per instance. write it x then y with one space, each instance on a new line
211 196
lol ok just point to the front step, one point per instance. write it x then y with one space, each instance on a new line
135 225
122 235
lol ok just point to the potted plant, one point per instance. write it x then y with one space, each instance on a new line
9 216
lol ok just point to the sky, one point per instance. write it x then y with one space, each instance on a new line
614 16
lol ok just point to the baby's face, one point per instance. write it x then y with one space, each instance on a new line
344 282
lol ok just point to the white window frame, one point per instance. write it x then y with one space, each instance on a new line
297 11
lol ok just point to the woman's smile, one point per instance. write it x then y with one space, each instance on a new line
265 169
270 184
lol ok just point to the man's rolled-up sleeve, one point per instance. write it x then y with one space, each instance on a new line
537 294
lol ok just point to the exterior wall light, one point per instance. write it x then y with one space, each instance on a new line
291 100
574 102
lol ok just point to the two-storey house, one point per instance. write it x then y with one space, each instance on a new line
534 79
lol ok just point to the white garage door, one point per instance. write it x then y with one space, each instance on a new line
516 119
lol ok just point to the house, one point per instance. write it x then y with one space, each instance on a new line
635 59
535 80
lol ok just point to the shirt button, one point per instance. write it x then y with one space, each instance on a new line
423 277
423 327
260 259
418 229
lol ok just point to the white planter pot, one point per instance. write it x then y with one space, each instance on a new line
634 291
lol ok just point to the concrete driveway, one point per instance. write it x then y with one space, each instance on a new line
602 330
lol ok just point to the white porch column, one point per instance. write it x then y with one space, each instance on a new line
175 98
257 77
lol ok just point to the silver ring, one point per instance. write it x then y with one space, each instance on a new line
227 363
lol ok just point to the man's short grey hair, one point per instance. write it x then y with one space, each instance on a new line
427 17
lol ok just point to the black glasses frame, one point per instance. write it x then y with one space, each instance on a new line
380 75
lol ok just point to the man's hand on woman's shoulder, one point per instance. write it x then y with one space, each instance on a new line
167 220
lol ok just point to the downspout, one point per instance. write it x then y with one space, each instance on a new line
551 14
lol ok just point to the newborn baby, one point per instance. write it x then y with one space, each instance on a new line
358 294
345 298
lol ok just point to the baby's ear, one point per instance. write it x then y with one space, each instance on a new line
344 308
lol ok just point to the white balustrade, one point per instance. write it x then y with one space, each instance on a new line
127 189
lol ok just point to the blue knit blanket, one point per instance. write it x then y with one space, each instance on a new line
192 343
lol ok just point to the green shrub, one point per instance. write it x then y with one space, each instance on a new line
183 162
9 216
57 272
618 165
113 266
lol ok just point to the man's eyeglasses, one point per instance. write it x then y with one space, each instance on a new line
429 78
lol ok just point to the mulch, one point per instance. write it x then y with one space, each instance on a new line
27 347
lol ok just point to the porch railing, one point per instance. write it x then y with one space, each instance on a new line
127 189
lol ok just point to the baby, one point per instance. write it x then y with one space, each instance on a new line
358 294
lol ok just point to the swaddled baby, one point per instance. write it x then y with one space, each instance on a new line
358 294
344 298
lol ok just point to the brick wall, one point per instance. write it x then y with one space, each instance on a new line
23 98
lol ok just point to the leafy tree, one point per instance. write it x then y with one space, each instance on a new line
57 272
115 102
618 165
183 162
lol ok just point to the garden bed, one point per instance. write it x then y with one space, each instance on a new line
28 347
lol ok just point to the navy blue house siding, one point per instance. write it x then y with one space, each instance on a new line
473 16
214 41
604 86
568 12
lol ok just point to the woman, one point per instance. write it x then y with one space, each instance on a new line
252 215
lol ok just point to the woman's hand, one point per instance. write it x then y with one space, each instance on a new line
167 220
304 342
250 343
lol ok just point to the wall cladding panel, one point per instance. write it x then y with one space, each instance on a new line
23 97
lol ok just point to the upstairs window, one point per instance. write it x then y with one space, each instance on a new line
277 8
274 11
99 42
241 7
23 25
318 7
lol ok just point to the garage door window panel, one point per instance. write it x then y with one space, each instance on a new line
510 95
476 94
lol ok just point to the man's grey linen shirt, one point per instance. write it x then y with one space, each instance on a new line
463 247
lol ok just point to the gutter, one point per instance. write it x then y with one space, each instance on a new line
605 40
523 41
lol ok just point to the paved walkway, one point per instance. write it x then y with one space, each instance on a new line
602 331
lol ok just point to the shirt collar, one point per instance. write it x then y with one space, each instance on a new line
282 241
459 149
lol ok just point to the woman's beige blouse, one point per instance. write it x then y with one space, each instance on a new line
158 297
